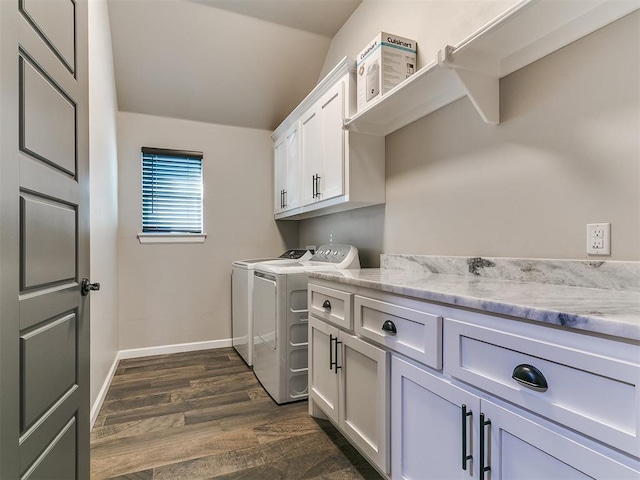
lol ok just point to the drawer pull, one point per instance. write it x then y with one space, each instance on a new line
389 327
530 377
326 304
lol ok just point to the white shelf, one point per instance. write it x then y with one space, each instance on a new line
525 33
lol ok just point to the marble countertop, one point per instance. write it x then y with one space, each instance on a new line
598 310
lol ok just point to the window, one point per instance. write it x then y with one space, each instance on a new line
171 191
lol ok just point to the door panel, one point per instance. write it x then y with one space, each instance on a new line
58 462
47 119
323 380
48 250
311 138
364 398
54 20
332 108
48 357
44 239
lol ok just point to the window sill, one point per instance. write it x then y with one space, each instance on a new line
171 237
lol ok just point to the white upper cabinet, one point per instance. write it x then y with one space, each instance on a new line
339 170
287 170
332 115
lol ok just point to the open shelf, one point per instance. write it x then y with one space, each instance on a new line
523 34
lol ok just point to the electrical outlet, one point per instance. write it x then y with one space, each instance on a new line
599 239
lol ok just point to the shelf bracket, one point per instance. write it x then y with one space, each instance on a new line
483 90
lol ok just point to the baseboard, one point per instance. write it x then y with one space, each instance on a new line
148 352
97 405
177 348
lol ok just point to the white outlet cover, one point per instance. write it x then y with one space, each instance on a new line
599 239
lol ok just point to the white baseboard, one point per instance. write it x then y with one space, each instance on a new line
177 348
148 352
97 405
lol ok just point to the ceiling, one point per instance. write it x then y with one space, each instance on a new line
246 63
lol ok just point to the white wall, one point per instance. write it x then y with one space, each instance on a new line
432 23
565 154
104 196
179 293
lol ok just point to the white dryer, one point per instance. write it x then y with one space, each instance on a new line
242 299
280 317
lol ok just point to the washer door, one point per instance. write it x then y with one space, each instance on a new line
265 314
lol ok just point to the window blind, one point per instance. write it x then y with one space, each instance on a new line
171 191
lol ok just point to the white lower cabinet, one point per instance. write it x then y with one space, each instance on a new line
349 382
432 423
441 431
459 394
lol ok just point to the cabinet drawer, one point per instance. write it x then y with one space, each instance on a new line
418 334
331 305
595 394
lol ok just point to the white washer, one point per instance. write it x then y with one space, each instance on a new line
242 299
280 317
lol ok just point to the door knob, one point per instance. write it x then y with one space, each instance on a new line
86 287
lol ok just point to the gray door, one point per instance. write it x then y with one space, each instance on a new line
44 240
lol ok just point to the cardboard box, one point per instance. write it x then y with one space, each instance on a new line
383 64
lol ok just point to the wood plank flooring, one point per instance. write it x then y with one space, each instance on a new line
203 415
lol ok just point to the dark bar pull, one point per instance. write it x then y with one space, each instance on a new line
530 377
284 198
314 186
318 185
326 304
389 327
331 351
335 354
465 457
483 468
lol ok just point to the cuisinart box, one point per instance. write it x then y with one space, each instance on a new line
383 64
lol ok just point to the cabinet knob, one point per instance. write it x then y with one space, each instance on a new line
326 304
530 377
389 327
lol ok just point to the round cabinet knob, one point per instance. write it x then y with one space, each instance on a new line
389 327
326 304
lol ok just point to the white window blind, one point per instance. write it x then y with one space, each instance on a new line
171 191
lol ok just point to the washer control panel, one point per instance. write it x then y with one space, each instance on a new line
333 253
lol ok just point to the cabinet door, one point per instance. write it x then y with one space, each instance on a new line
311 138
521 448
428 426
280 174
323 377
364 398
292 189
332 113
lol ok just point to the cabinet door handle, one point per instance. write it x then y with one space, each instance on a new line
318 185
389 327
331 339
313 185
326 304
465 457
530 377
335 354
284 198
483 468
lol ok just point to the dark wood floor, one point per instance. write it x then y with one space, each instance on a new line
203 415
